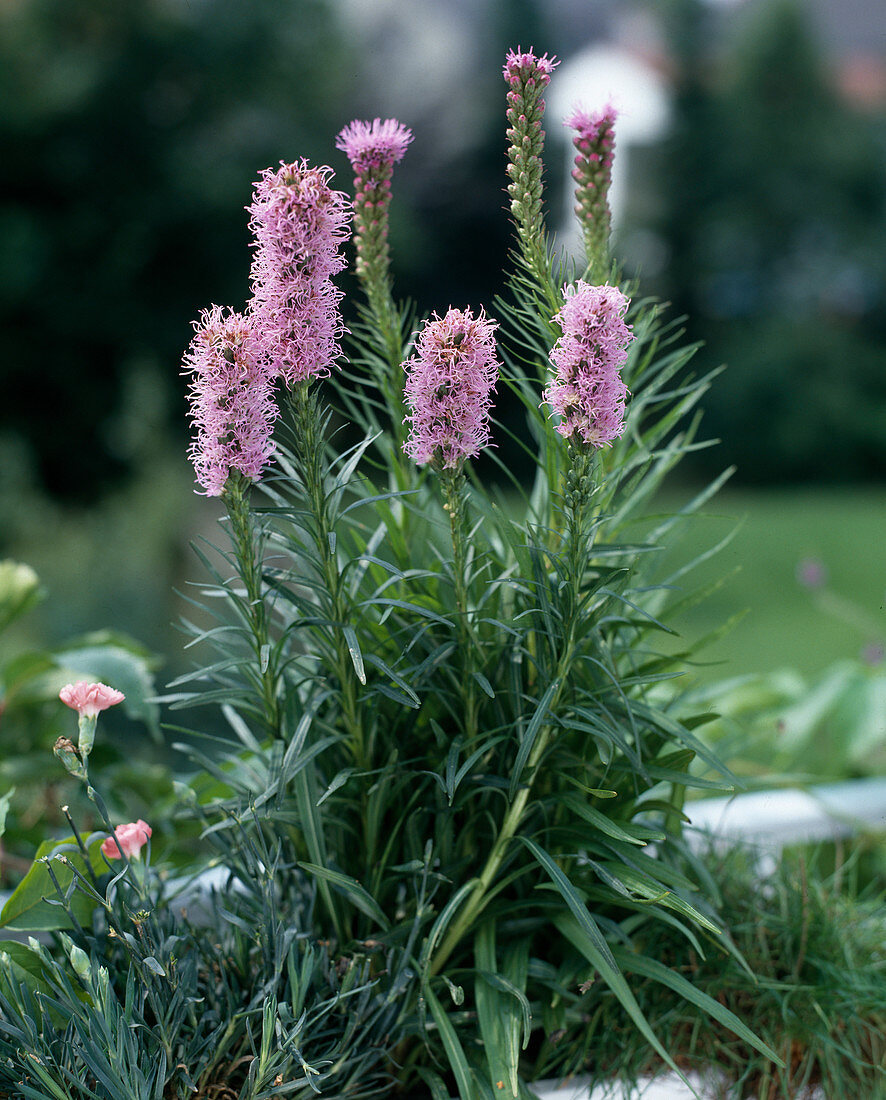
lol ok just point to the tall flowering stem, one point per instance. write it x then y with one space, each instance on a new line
590 400
449 383
233 410
594 141
527 76
308 421
373 148
299 225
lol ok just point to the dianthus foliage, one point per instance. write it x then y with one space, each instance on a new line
449 805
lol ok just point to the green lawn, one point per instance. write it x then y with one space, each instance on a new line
787 625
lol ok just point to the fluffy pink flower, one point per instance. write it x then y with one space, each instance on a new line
587 391
230 394
130 838
373 144
299 224
448 384
88 699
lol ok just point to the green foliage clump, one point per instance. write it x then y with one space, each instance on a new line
811 985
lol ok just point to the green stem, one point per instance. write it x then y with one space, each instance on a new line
248 550
310 456
454 485
579 488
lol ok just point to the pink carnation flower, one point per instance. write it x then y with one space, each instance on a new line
587 392
231 399
448 383
88 699
130 838
299 224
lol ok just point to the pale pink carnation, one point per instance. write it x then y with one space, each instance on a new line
448 384
130 838
89 699
299 224
587 392
369 145
231 400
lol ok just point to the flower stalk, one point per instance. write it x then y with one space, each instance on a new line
594 141
248 550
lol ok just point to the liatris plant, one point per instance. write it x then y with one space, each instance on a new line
453 797
594 141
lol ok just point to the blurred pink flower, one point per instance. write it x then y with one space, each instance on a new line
88 699
131 839
448 383
812 573
594 142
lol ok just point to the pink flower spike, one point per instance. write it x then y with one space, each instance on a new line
299 224
130 838
448 383
89 699
587 391
231 400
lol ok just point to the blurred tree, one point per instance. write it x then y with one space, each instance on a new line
130 134
772 206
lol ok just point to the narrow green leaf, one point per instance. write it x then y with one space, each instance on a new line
354 650
530 735
576 906
452 1046
338 781
658 972
361 898
443 918
639 836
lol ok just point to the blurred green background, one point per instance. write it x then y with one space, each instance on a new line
753 197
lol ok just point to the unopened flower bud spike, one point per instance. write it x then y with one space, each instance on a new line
594 141
527 77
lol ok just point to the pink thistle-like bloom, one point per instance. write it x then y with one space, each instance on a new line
89 699
373 148
449 380
587 392
231 399
130 838
299 225
594 141
375 144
